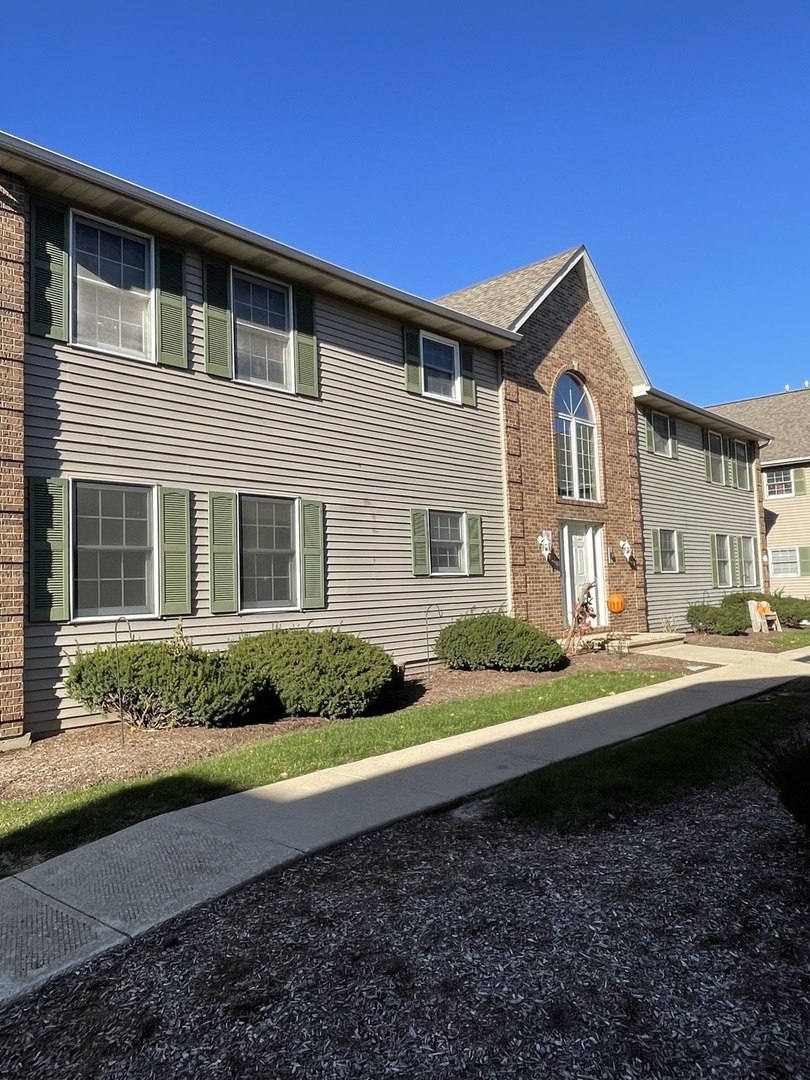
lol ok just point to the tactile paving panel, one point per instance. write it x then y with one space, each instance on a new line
137 878
40 937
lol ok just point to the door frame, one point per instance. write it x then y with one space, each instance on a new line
595 534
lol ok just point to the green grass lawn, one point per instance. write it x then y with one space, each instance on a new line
794 639
599 788
34 828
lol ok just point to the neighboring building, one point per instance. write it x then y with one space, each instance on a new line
700 501
219 428
785 482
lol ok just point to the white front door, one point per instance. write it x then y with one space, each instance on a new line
583 563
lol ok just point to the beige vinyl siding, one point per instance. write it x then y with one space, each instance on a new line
676 495
367 449
787 520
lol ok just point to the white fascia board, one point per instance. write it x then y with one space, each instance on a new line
648 395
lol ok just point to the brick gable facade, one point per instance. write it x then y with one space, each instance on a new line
566 334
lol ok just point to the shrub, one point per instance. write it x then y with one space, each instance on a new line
315 672
786 767
707 619
497 641
163 684
791 610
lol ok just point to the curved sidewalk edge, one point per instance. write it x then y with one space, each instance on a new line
61 913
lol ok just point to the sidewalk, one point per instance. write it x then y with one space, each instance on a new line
62 912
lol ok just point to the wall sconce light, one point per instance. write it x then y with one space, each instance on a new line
627 549
544 540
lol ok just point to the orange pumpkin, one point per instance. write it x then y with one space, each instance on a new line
616 603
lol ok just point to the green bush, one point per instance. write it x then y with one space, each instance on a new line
707 619
315 672
163 684
786 767
791 610
497 641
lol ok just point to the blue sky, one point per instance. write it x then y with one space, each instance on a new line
432 145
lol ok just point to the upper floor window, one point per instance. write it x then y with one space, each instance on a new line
661 436
717 468
778 482
112 289
440 368
575 436
741 464
262 329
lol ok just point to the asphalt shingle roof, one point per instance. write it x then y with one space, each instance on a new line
502 300
786 416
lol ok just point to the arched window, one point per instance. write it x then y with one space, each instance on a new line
575 437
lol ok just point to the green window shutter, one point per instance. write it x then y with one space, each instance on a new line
804 561
217 316
707 458
475 546
656 550
648 425
736 563
313 583
681 558
306 344
673 436
175 551
468 396
715 570
223 585
49 271
48 585
171 307
413 361
420 546
799 483
729 463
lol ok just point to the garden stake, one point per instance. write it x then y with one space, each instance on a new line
121 618
427 639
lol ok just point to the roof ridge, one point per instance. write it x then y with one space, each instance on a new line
510 273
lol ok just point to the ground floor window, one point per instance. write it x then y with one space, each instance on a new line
113 550
267 551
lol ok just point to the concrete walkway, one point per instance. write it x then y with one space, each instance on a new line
62 912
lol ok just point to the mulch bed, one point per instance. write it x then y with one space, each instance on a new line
769 643
95 755
676 945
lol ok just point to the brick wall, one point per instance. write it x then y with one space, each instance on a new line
12 304
566 334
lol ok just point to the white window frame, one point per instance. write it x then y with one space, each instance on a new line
80 620
729 584
296 515
738 445
73 216
573 421
464 570
773 573
723 481
742 540
674 533
455 398
782 494
289 386
667 452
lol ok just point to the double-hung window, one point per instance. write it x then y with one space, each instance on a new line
112 289
262 328
98 285
440 368
661 435
267 531
784 562
575 435
778 483
446 543
668 551
722 561
716 464
741 465
748 561
734 561
100 549
113 550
